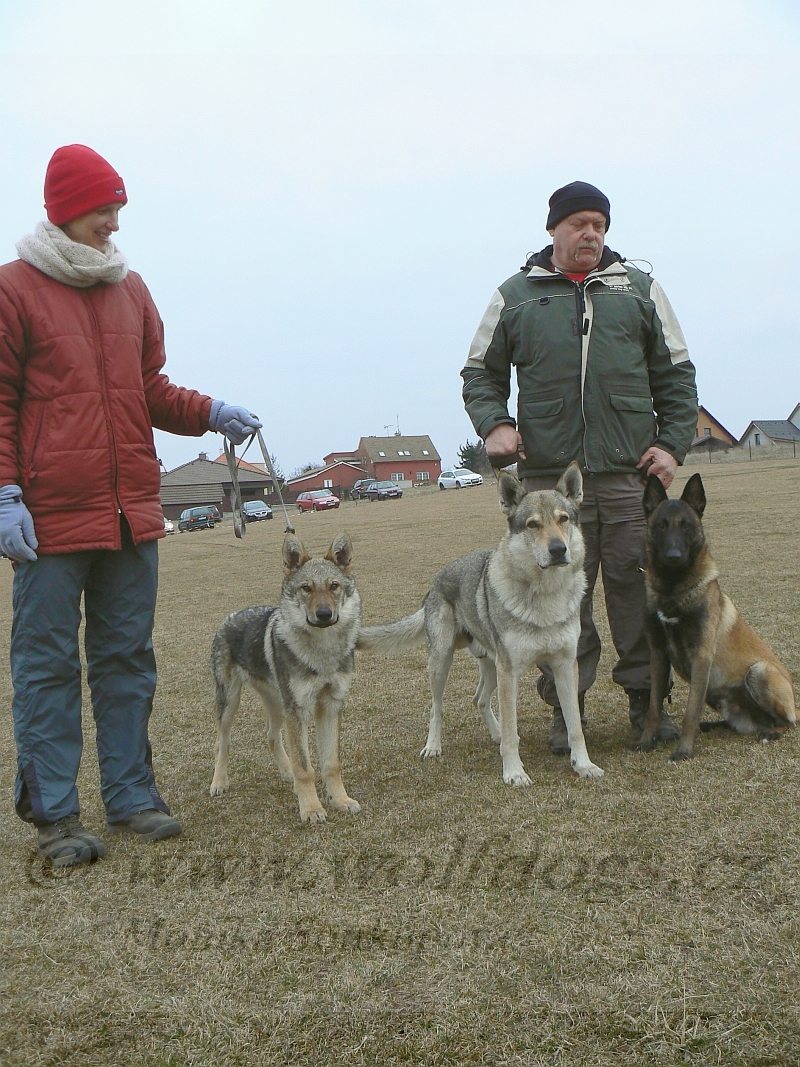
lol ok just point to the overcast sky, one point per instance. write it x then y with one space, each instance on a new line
324 194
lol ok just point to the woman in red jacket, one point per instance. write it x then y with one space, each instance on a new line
81 388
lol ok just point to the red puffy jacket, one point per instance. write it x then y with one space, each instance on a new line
80 393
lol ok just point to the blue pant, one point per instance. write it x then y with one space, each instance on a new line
119 590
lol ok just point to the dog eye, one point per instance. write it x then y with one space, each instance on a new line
306 587
532 524
334 585
563 519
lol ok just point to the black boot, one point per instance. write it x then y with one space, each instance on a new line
557 739
638 705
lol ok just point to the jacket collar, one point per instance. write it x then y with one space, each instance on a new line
540 265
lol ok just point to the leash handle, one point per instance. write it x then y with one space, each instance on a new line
239 524
271 469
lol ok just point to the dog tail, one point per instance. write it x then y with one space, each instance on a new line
400 636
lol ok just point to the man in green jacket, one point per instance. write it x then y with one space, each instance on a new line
604 377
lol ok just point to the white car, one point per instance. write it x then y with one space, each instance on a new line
169 525
458 478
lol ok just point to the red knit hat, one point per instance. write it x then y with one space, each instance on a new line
79 180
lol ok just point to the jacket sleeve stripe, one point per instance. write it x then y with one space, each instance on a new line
485 332
671 328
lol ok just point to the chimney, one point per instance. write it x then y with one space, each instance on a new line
203 456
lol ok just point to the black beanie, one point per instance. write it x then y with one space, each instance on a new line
577 196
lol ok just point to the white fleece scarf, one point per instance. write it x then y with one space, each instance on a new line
50 250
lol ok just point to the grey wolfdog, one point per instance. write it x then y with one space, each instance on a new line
298 657
512 606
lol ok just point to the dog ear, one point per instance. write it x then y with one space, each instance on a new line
340 552
511 492
294 555
570 484
695 495
654 494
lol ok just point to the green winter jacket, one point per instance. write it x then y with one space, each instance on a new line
602 368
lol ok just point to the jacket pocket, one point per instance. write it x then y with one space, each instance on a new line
543 409
631 429
632 403
551 441
33 439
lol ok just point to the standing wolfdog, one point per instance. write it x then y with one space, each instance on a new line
511 607
299 659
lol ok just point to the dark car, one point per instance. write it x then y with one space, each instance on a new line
383 490
203 518
256 511
318 500
359 490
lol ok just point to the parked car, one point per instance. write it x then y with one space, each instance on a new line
317 500
383 490
256 510
458 478
359 490
203 518
169 525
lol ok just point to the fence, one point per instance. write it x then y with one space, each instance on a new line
742 454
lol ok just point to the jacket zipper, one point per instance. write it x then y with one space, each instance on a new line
104 394
584 330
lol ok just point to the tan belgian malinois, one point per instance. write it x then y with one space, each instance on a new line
693 625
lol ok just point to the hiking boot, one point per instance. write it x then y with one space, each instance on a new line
66 843
638 705
557 737
149 825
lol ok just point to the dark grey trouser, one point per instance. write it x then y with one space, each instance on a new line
613 526
119 592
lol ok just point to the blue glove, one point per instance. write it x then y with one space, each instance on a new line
236 423
17 539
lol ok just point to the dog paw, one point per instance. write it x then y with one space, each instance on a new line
680 754
518 779
346 804
217 788
431 750
641 746
313 815
588 770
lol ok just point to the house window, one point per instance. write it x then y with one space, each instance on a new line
397 476
757 438
707 431
381 453
403 453
425 452
327 483
423 476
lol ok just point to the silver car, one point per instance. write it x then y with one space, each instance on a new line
458 478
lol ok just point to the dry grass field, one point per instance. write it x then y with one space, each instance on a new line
650 917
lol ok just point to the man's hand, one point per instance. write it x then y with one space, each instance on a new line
17 537
235 422
660 463
504 440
